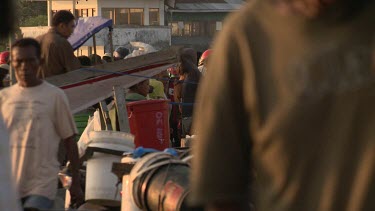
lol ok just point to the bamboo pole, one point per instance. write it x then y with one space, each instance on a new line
94 42
111 42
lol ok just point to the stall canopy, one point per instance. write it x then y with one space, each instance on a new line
86 28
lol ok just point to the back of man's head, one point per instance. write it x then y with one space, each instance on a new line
121 52
62 16
26 42
189 54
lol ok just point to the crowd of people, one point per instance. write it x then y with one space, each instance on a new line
281 106
37 117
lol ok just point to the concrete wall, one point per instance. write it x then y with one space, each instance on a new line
157 36
200 43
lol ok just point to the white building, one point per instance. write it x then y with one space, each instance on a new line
134 20
123 12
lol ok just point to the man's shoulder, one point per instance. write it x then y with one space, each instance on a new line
51 37
54 89
155 82
7 91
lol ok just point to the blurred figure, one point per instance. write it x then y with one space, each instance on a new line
138 91
157 89
107 57
37 117
164 78
202 65
4 71
175 114
120 53
57 52
95 59
159 84
84 60
186 88
291 94
4 57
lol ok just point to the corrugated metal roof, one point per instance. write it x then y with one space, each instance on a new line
207 5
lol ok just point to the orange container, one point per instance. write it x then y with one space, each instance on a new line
149 123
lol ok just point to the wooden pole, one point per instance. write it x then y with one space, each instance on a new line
94 42
105 113
11 71
111 42
122 114
49 12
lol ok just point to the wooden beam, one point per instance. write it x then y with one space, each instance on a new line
122 114
105 114
168 56
94 43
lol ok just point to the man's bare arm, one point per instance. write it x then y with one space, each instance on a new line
72 152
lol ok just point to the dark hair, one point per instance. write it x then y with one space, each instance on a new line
84 60
95 58
122 51
26 42
62 16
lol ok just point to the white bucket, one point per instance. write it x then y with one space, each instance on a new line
100 181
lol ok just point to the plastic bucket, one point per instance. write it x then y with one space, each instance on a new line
100 182
149 123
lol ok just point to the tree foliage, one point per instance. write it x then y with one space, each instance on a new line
31 13
40 20
27 13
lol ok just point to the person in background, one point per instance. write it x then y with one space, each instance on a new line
107 57
37 117
136 92
186 88
57 52
4 71
175 115
157 89
84 61
95 59
291 96
120 53
164 78
4 57
202 65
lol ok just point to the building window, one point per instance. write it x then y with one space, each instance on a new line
122 16
84 13
197 29
219 25
187 29
190 29
154 16
177 28
211 28
136 16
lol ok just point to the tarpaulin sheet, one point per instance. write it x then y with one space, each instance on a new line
86 28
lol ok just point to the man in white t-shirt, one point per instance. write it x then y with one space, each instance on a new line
8 196
37 117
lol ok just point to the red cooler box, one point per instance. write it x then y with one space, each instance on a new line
149 123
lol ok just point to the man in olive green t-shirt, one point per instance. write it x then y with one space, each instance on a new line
292 95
